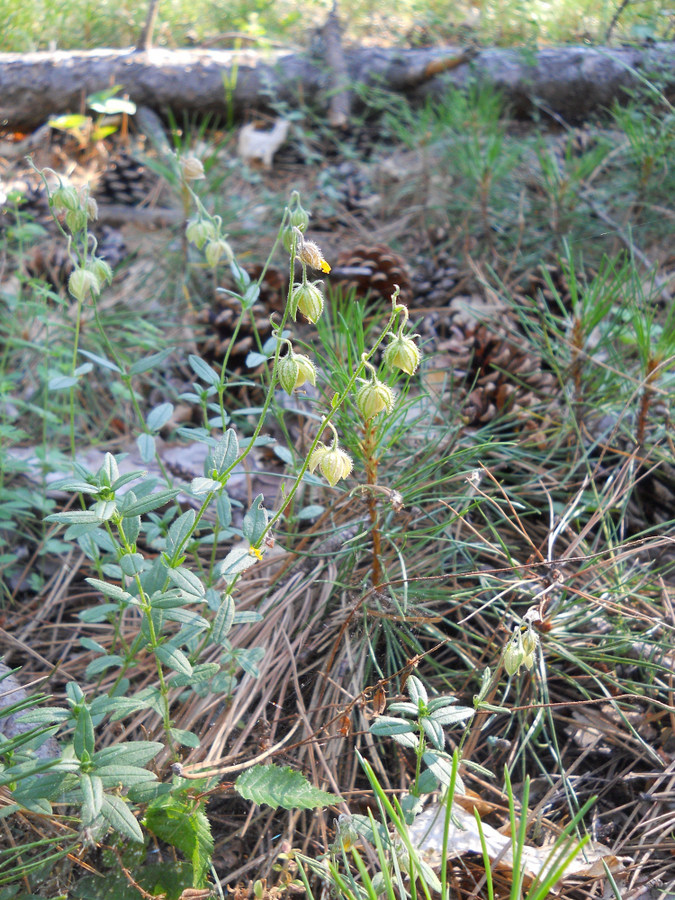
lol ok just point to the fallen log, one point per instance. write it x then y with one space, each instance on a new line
566 82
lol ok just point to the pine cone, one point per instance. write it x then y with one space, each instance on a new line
374 271
32 203
49 262
437 280
220 318
125 181
537 287
347 184
495 374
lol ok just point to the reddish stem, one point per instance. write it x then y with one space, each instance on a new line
371 461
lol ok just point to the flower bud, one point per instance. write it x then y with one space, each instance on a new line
82 282
402 353
191 168
335 464
76 220
317 455
299 218
530 641
288 238
294 370
65 197
199 231
216 250
100 269
373 397
310 254
91 209
514 654
307 298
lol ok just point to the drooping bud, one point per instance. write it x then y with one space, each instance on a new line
299 218
294 370
373 397
310 254
514 654
76 220
191 168
402 353
91 209
307 298
216 250
199 231
82 282
65 197
317 455
100 269
335 464
530 640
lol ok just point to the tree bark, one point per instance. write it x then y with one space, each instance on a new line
566 82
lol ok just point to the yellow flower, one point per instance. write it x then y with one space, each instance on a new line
255 551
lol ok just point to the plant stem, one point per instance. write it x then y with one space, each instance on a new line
369 447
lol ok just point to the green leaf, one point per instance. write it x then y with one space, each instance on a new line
185 738
440 765
276 786
101 665
416 690
188 583
115 811
132 528
61 382
312 511
149 362
200 673
203 370
434 732
74 485
132 564
76 517
83 737
130 753
101 360
223 620
188 617
111 590
204 485
224 453
154 501
249 658
146 446
452 716
237 561
180 531
186 828
70 121
114 775
224 510
159 416
255 521
255 359
92 793
247 617
173 658
389 725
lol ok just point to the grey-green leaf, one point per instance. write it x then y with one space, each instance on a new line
115 811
